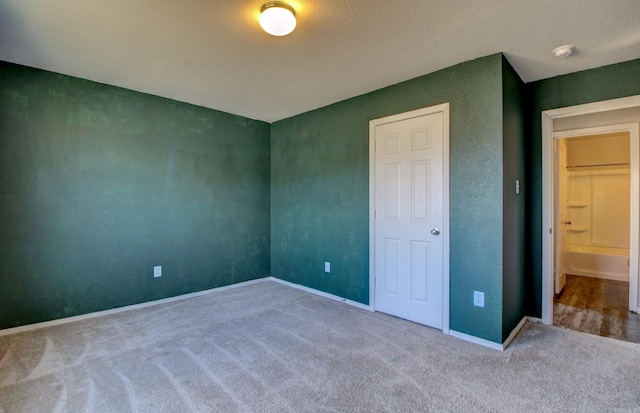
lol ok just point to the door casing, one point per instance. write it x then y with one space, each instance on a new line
548 231
444 108
560 214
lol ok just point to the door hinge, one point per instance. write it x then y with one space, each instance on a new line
374 214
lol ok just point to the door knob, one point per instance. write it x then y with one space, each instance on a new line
435 231
567 222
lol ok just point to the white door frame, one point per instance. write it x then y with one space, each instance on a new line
444 108
547 192
559 270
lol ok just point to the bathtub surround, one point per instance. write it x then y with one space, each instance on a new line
598 188
599 192
598 208
605 263
270 348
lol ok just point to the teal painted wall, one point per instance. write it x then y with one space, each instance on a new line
514 205
604 83
320 190
98 184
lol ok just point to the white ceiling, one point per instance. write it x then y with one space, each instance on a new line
213 53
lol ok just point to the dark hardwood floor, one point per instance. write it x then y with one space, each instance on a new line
597 306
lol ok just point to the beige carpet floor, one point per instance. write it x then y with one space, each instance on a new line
271 348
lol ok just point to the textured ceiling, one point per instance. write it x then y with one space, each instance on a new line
213 53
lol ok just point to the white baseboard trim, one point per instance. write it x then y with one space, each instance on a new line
535 320
35 326
321 293
475 340
514 333
487 343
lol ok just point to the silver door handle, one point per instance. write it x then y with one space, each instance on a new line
435 231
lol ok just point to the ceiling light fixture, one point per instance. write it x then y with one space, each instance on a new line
277 18
564 51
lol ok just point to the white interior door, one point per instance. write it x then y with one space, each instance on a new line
408 218
561 216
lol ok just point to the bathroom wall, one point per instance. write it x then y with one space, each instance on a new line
608 149
598 191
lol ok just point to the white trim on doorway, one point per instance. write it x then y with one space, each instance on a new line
444 108
634 132
547 194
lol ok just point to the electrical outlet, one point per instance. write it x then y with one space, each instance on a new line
157 271
327 266
478 299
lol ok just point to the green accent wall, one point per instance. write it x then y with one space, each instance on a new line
320 190
604 83
98 184
514 98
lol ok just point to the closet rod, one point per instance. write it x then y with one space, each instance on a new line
602 164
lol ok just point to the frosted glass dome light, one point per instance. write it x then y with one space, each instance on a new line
564 51
277 18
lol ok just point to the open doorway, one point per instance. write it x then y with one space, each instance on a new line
592 221
597 118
